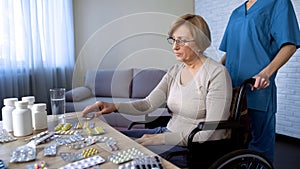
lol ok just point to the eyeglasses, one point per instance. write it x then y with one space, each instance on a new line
180 42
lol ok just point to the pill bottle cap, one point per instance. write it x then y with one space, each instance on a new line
21 103
39 107
30 99
10 101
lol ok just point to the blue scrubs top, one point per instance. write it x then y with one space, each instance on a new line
252 40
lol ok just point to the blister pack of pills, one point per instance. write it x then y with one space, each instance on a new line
6 136
85 163
22 154
82 144
88 152
125 155
69 132
50 139
70 157
44 138
151 162
63 126
110 142
2 165
100 139
38 136
68 139
95 131
50 150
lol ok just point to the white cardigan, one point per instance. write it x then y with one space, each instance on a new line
206 98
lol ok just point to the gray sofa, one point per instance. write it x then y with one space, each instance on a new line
115 86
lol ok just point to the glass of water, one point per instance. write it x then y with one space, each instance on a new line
58 104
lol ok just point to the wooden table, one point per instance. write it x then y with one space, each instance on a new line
123 143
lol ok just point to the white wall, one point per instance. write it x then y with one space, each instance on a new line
217 14
114 34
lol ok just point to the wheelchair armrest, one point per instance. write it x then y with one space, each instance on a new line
211 125
135 123
149 119
202 126
152 121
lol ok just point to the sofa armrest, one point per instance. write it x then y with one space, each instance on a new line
78 94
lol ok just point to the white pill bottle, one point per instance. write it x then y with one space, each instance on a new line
9 106
22 119
39 116
30 99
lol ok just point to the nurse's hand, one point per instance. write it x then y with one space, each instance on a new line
261 81
100 108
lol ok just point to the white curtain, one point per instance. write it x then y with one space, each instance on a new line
36 47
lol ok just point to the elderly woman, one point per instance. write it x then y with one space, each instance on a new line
197 89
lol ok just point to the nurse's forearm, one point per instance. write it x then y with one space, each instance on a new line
284 54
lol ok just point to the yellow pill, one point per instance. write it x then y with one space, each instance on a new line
79 126
99 130
58 127
67 126
86 124
90 131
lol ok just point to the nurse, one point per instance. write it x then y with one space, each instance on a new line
260 37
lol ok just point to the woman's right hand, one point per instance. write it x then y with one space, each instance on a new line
100 108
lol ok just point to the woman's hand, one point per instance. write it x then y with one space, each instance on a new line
100 108
151 139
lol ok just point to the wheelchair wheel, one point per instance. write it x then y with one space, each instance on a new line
242 159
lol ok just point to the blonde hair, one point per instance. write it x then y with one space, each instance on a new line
198 27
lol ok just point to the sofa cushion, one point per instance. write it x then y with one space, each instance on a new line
145 80
110 83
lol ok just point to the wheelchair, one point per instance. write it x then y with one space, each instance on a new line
221 154
242 159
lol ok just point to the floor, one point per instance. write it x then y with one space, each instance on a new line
287 152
